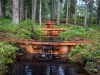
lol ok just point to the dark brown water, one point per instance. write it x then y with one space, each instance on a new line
43 69
29 64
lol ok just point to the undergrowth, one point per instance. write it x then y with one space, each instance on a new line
7 55
21 31
77 32
81 53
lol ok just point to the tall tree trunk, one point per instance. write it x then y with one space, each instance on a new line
40 14
0 9
58 12
67 13
75 15
99 21
69 10
4 2
29 10
99 12
15 11
85 14
34 3
26 12
91 11
21 9
52 11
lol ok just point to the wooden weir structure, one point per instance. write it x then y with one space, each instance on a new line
54 47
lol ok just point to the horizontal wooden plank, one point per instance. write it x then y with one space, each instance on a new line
50 29
34 42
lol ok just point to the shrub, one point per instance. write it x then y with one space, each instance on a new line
76 32
7 55
21 31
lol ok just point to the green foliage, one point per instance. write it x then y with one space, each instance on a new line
63 26
7 55
80 52
21 31
94 70
91 51
79 20
76 32
92 67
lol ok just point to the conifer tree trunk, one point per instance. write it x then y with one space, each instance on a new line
29 13
26 12
85 15
40 14
0 9
58 12
91 11
99 21
69 10
34 3
15 11
67 13
52 11
75 15
4 2
99 11
21 9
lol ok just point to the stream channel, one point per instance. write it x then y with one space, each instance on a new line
45 64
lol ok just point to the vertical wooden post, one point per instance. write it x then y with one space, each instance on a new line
65 49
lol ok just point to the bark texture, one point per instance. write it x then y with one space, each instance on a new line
52 11
34 3
21 9
15 11
85 15
67 13
0 9
40 14
75 15
91 11
58 12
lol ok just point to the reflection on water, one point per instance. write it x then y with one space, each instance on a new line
47 69
61 70
60 66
